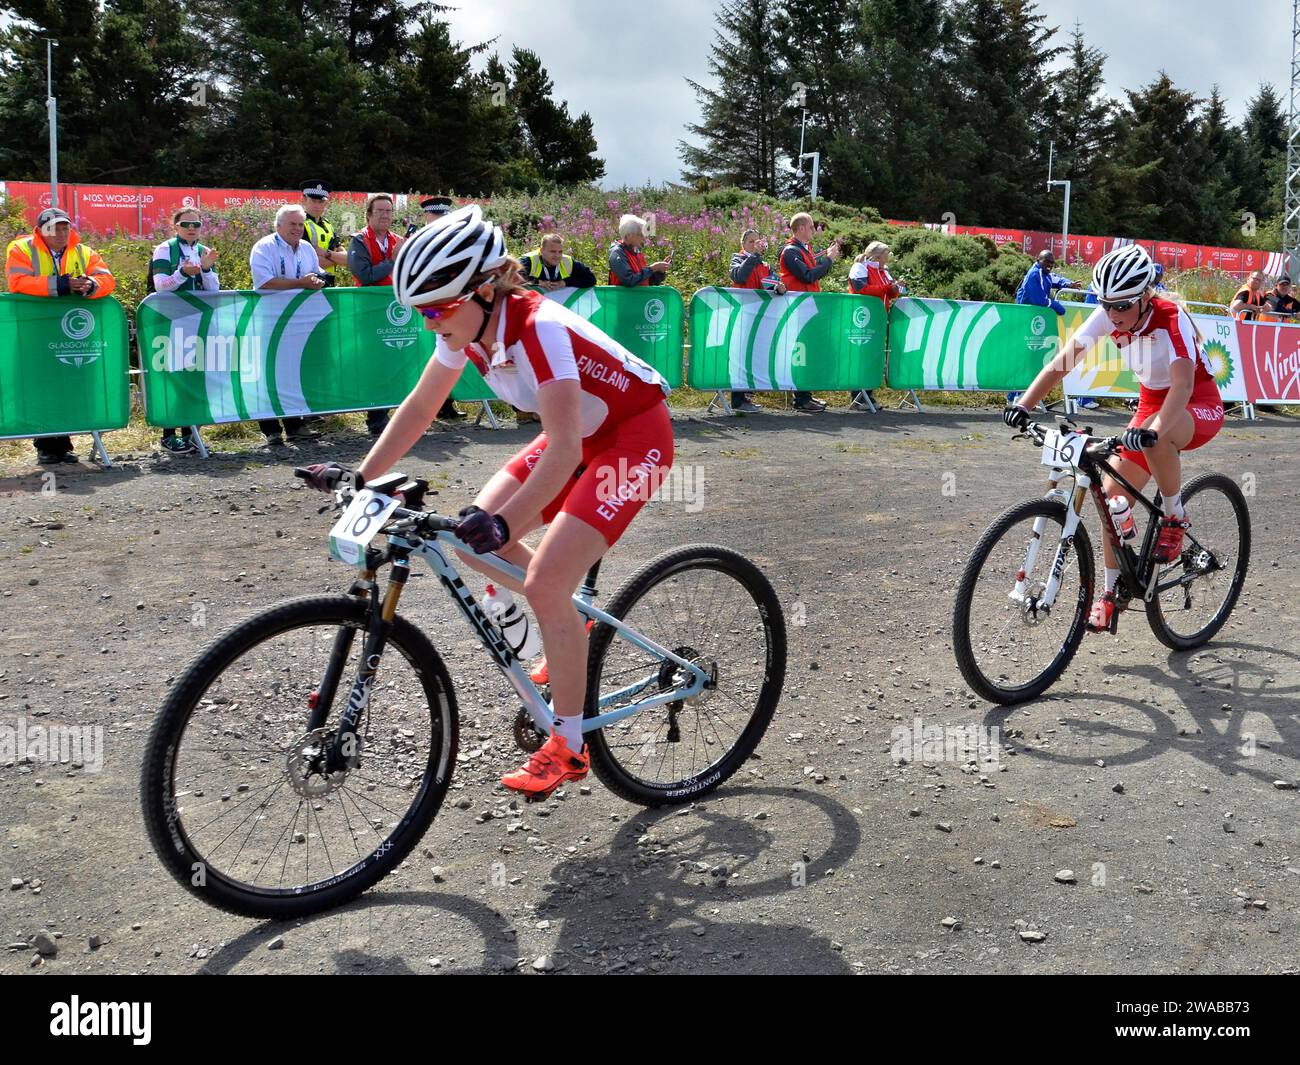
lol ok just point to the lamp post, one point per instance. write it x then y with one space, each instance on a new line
51 109
1065 219
816 157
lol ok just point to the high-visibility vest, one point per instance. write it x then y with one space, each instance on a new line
1253 300
533 263
43 261
792 283
320 235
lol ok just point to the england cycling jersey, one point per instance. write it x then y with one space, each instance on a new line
1164 335
538 340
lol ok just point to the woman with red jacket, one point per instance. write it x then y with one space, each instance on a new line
869 276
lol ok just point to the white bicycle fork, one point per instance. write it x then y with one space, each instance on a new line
1073 505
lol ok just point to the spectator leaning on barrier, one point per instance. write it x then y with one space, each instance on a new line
182 264
54 262
370 258
627 265
550 268
748 270
319 233
1280 303
802 271
284 260
869 276
1249 298
433 207
1038 289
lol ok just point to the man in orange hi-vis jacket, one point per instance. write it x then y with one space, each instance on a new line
54 262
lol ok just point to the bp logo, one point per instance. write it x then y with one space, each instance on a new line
1220 363
399 336
78 324
654 313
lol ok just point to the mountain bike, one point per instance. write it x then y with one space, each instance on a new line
1022 608
304 753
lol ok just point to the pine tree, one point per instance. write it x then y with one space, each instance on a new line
1083 129
1264 162
739 117
561 148
1222 152
1000 130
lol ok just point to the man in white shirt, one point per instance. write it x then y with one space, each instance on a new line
284 260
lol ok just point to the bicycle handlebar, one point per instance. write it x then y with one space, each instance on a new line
344 486
1101 445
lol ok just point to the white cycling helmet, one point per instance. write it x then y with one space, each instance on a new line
1123 274
447 258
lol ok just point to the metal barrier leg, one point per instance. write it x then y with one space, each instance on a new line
203 447
915 402
103 453
719 400
491 416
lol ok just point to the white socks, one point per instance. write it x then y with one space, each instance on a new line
1112 579
570 727
1174 506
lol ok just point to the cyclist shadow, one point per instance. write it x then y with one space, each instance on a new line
1199 727
649 904
369 935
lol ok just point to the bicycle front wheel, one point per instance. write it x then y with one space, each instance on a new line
1202 585
235 798
714 608
1008 647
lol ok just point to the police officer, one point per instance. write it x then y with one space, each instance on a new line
434 207
320 234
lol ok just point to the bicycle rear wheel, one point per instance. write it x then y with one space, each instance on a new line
715 608
1205 581
1007 649
233 804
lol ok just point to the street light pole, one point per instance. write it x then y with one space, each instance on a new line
52 108
816 157
1065 218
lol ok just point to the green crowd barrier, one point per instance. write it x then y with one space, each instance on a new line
214 357
750 339
64 364
957 345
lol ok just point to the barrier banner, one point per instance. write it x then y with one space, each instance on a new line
648 320
1270 359
959 345
213 357
1104 372
749 339
63 365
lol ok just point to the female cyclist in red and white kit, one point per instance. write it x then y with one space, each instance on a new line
605 446
1178 397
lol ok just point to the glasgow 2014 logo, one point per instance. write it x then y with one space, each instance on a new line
78 324
399 318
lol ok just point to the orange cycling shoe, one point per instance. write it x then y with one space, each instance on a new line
1103 610
1170 543
548 768
542 675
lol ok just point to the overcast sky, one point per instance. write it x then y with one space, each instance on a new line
626 64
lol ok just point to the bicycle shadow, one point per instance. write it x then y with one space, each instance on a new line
358 928
643 906
1211 735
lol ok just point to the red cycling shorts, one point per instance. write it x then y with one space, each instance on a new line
1205 407
622 467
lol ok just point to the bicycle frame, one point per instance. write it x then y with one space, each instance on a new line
1138 570
431 550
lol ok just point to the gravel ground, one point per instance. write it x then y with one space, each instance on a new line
1150 778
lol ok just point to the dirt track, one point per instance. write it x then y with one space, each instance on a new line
849 517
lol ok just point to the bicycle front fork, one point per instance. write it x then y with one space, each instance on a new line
345 749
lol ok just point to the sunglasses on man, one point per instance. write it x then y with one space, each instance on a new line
190 225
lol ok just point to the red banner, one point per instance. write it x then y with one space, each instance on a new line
1270 361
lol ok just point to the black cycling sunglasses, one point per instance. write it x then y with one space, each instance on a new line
1116 305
